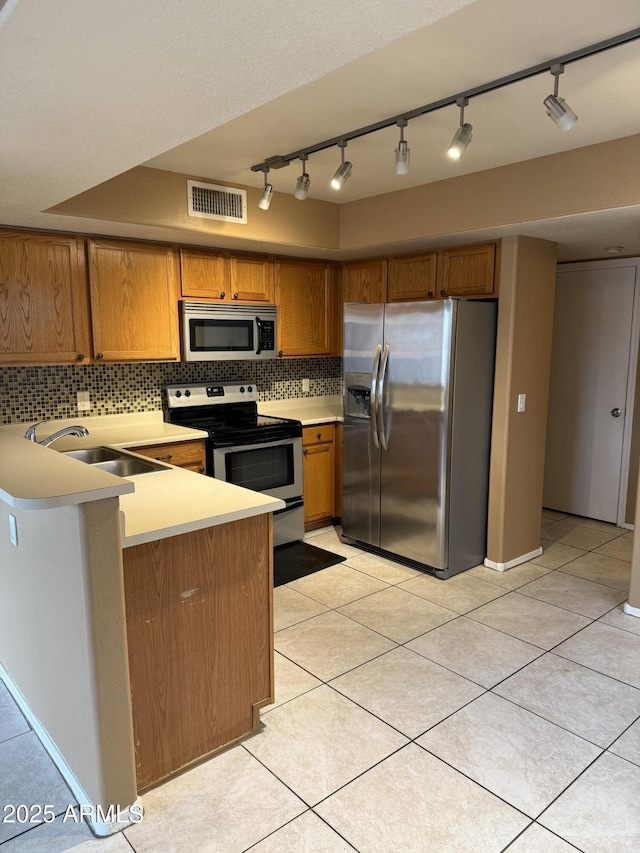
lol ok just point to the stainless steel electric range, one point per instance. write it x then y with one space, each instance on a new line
244 448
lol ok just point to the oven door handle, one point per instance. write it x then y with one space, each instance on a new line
292 503
259 327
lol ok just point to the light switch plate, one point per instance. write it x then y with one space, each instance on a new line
522 402
84 401
13 530
305 386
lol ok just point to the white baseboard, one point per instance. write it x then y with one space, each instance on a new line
87 810
631 611
503 567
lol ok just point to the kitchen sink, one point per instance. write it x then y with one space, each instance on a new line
116 462
93 455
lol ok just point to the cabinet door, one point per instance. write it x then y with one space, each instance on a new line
306 298
411 278
251 278
319 482
364 281
467 271
134 301
204 275
44 306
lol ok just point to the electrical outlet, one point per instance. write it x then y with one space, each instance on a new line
13 530
522 402
84 401
305 386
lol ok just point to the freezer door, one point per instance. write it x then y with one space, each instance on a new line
415 413
363 328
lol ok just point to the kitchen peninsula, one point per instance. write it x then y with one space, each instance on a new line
132 611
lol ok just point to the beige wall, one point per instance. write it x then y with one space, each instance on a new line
523 358
63 638
596 177
146 196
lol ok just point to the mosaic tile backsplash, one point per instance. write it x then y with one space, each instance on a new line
36 393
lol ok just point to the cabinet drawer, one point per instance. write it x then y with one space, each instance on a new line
185 454
317 434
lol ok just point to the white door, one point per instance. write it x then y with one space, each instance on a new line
590 363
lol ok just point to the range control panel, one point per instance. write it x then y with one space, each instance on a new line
208 395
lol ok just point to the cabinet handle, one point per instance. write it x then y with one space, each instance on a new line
279 353
318 435
222 295
235 295
430 293
443 293
99 355
200 470
305 451
164 458
80 356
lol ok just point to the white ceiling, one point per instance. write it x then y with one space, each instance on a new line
92 89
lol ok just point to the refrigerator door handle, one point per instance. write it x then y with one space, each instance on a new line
373 413
380 393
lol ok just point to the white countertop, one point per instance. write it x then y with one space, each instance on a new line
154 506
307 410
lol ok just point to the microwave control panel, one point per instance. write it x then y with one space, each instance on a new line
267 335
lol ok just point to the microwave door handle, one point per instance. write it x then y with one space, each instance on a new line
259 325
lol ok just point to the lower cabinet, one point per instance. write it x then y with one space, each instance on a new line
319 474
199 613
183 454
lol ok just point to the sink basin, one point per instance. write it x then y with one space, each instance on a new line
128 466
92 455
116 462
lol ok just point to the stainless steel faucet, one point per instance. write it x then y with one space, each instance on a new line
30 434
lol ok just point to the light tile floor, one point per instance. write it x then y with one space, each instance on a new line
491 712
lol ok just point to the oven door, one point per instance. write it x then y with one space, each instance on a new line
274 467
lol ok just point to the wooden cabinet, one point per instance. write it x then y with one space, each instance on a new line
412 277
467 271
364 281
224 277
318 470
199 610
184 454
134 301
307 300
44 306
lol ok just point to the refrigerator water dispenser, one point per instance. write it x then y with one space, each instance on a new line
358 396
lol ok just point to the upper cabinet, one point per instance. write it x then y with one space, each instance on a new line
307 300
224 277
467 271
134 301
412 277
44 313
365 281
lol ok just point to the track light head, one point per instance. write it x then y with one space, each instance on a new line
402 152
304 181
343 172
266 195
557 109
462 136
460 141
302 186
560 112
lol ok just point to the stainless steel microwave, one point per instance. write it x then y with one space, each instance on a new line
213 332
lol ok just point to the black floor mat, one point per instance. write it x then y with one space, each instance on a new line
299 559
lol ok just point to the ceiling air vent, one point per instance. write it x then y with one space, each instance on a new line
211 201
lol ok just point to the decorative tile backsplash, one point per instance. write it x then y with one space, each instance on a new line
35 393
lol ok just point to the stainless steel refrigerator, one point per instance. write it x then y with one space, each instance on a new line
418 392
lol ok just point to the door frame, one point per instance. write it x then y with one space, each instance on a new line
583 266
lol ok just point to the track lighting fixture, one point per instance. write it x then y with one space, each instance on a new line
557 108
266 195
462 136
304 181
343 172
403 152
